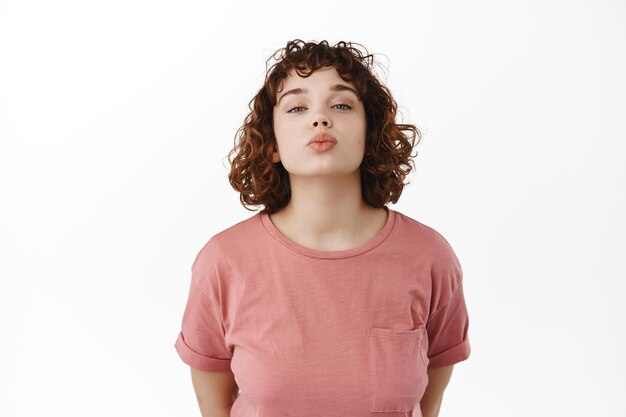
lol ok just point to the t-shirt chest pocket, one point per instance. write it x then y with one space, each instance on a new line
397 361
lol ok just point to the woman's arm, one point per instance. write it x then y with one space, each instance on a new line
438 379
215 391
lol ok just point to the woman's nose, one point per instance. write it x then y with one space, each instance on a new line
321 118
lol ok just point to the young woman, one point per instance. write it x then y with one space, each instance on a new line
326 302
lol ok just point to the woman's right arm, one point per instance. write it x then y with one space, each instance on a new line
215 391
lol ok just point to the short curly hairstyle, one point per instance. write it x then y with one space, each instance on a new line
388 154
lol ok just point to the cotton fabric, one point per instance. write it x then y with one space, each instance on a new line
309 333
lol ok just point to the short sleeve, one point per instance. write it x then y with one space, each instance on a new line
201 341
448 324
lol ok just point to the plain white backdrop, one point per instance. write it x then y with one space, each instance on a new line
115 121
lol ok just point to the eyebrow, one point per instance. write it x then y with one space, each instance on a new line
333 87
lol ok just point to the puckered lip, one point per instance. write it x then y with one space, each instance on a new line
323 137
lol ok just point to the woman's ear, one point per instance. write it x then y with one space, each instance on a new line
275 157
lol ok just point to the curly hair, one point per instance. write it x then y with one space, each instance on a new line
387 158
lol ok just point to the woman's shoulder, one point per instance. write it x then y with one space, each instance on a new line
231 239
422 233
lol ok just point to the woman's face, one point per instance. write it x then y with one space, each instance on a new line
299 116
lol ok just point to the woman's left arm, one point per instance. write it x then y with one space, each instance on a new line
438 379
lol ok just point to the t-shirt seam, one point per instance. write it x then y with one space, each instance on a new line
448 302
219 303
295 250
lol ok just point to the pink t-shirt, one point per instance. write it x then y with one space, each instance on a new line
309 333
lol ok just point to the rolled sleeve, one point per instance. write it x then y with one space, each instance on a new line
197 360
201 342
447 333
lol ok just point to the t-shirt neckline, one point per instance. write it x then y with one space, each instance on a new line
314 253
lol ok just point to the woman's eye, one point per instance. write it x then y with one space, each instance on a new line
346 107
297 107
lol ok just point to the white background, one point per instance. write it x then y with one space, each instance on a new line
115 121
